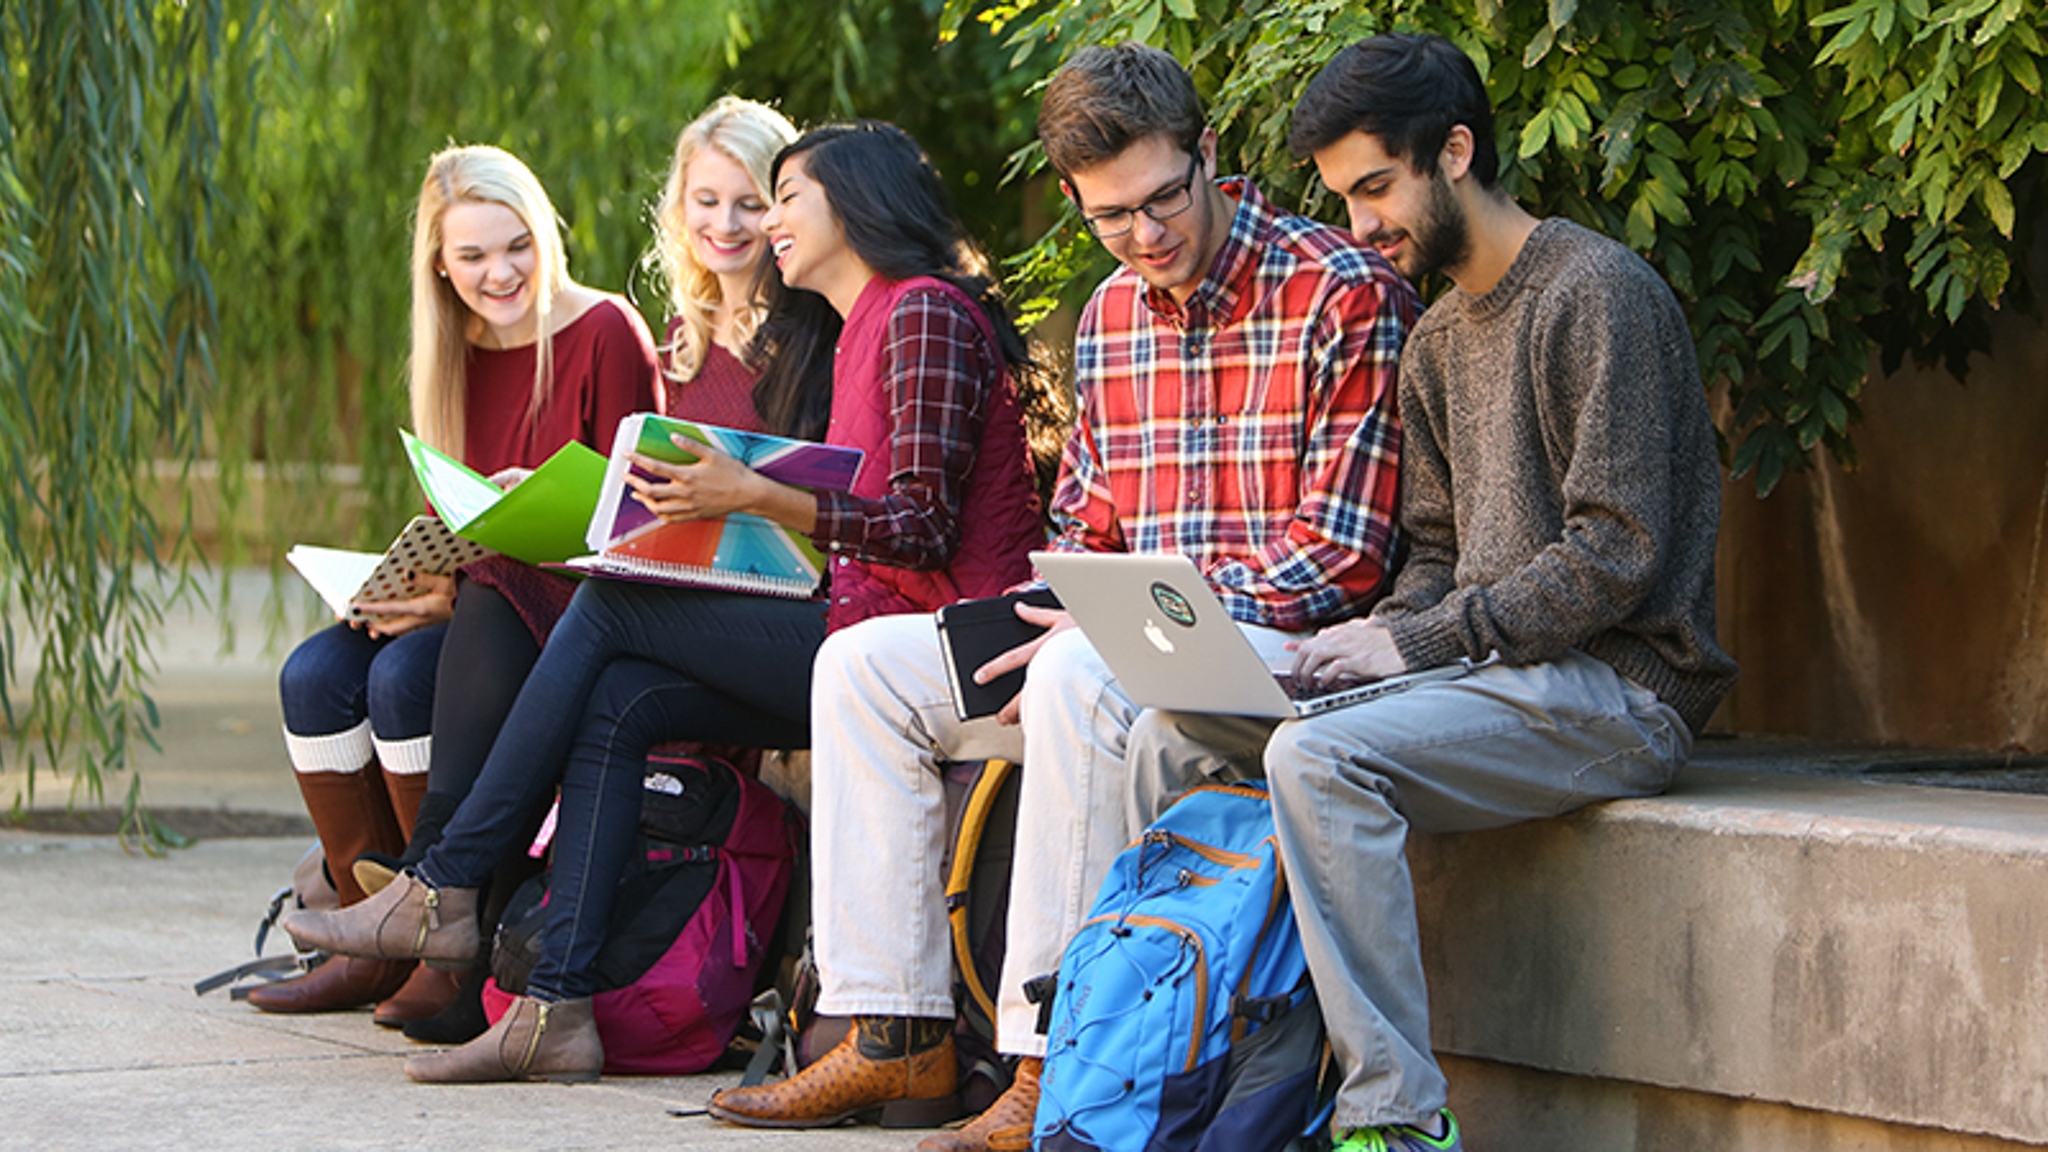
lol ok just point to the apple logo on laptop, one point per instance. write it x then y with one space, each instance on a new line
1158 637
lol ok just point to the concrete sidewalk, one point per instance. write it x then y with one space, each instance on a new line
103 1044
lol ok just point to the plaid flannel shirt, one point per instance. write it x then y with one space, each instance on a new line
1253 429
937 372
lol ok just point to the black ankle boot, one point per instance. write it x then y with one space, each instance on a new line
463 1020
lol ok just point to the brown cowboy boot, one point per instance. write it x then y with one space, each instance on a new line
875 1073
425 994
1005 1126
336 984
408 920
534 1038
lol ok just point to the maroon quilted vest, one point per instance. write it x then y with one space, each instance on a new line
1000 518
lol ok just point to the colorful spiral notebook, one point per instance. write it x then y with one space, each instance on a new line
738 552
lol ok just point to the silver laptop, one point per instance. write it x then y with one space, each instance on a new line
1171 644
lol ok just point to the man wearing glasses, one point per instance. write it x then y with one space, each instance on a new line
1236 386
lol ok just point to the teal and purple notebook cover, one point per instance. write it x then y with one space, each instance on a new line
738 552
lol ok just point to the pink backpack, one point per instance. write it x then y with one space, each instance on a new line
693 918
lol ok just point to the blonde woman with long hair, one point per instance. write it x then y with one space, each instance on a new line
712 255
510 360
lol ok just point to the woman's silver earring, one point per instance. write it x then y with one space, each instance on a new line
441 272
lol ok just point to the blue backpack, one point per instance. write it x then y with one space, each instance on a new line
1182 1018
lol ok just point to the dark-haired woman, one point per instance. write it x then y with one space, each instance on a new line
889 337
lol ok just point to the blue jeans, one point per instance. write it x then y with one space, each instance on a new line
628 667
338 677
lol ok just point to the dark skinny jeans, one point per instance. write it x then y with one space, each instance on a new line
628 667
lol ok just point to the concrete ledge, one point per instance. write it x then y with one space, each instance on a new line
1503 1107
1860 949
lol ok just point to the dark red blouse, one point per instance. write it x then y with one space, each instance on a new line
604 370
721 393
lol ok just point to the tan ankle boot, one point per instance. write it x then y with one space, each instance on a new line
534 1038
914 1091
1005 1126
409 920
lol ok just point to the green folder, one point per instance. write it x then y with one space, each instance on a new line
540 521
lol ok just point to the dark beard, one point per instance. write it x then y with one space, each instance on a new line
1444 241
1441 238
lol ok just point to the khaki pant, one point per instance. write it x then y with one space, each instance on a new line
881 722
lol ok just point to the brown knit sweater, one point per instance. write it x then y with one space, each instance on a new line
1560 487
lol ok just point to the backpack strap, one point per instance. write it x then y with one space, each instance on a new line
973 821
778 1042
269 967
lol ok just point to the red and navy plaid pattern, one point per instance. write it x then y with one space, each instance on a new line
937 373
1253 429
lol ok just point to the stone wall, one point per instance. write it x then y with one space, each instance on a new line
1906 601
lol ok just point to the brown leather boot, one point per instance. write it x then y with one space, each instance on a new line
409 920
1005 1126
338 983
425 994
914 1091
533 1038
405 790
351 811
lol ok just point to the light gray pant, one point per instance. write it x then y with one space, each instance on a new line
1499 746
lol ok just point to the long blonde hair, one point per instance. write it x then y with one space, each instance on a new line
476 173
750 135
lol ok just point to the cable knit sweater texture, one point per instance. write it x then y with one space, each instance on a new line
1560 485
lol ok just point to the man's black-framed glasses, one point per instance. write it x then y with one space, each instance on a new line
1164 206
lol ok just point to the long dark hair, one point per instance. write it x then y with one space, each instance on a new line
899 220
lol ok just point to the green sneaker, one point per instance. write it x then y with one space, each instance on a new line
1402 1138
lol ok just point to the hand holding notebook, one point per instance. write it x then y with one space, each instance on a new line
974 632
347 579
710 486
736 551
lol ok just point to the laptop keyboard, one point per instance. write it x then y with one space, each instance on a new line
1306 690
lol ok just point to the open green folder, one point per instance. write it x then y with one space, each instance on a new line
540 521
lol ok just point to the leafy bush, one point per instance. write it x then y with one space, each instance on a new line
1818 181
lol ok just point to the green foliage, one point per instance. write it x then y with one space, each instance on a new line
895 60
277 144
326 154
108 145
1819 181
